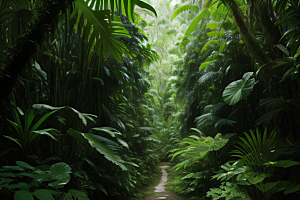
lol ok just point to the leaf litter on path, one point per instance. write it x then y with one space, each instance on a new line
160 191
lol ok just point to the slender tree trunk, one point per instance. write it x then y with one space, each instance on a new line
258 53
26 46
270 30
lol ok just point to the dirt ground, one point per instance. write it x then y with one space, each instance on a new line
159 190
168 194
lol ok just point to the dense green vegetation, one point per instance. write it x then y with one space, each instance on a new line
95 93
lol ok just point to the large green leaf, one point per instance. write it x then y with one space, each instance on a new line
24 165
78 194
43 194
44 132
61 173
195 22
213 26
239 89
111 131
106 147
81 116
292 190
257 178
183 9
210 43
23 195
77 135
203 66
268 116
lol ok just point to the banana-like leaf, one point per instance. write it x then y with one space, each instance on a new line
106 147
268 116
145 5
81 116
111 131
292 190
239 90
203 66
77 135
44 132
202 16
183 9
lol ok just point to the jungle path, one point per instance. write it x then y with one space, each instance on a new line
159 191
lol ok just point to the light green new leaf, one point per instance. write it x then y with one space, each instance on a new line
203 66
222 47
213 34
183 9
195 22
210 43
239 89
213 26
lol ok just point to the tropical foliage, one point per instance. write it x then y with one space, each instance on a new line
95 93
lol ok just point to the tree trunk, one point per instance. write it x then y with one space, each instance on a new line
270 30
26 45
258 53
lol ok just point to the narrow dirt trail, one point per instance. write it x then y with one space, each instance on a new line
159 190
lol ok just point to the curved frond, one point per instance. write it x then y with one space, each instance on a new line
183 9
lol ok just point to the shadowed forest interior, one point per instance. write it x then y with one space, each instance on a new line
95 94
